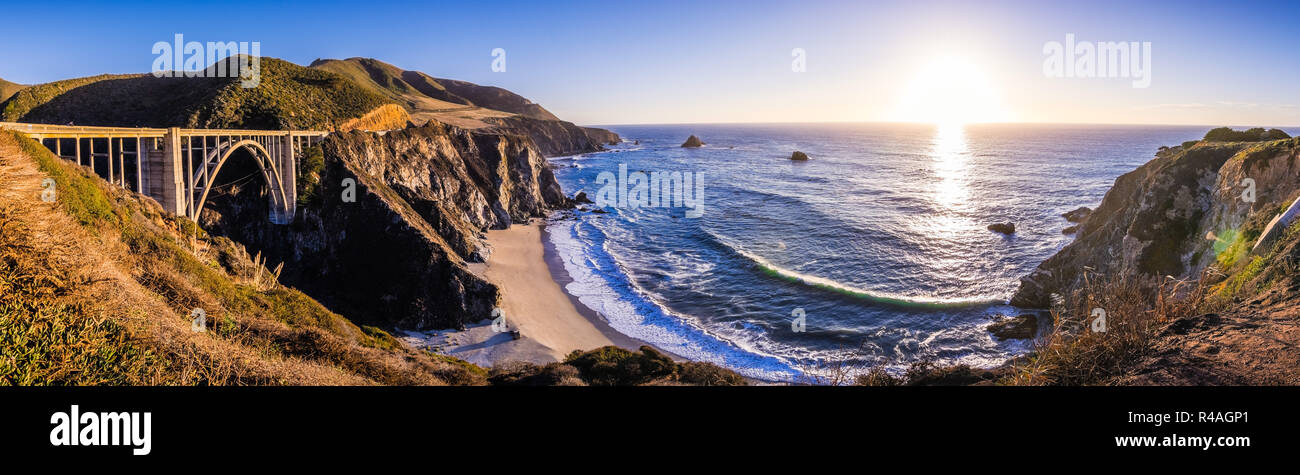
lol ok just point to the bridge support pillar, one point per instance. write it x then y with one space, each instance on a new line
289 168
173 174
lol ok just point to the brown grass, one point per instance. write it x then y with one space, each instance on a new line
385 117
1135 311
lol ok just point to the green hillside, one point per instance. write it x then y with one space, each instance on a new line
408 87
288 97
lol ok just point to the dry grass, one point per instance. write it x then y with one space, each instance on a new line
1135 311
105 298
385 117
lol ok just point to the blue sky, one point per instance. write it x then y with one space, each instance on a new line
678 62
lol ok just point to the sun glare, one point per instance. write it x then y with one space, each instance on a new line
951 91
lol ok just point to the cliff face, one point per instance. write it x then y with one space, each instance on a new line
396 256
555 137
602 136
1176 215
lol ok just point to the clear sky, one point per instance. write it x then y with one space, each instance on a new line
1212 63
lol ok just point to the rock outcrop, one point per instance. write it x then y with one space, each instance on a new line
1188 208
1004 228
602 136
555 137
797 155
1078 215
1023 327
692 142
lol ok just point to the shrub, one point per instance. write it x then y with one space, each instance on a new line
1225 134
708 374
310 165
614 366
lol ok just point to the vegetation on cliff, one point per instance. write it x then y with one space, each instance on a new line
1257 134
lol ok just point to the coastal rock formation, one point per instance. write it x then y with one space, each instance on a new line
1078 215
396 256
797 155
553 137
1022 327
1186 209
693 141
602 136
1004 228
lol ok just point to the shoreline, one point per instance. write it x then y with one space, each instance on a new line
552 323
562 279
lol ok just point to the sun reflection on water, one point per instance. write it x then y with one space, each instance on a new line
951 158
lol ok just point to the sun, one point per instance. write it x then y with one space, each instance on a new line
950 91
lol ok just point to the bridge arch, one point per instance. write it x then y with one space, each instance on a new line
266 164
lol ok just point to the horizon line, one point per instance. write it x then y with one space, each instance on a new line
885 122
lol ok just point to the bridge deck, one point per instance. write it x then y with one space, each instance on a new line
49 131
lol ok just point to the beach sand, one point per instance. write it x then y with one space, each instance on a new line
552 323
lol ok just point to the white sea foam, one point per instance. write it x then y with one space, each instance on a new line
634 314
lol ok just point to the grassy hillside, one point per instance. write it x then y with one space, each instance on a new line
390 81
99 288
8 89
497 98
424 95
288 97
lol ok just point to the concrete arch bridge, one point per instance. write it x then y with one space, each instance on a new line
177 167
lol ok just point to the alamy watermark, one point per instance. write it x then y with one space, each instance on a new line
214 59
652 190
1107 59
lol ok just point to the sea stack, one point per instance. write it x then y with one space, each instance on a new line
693 142
1004 228
797 155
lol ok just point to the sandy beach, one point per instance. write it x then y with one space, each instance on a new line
552 323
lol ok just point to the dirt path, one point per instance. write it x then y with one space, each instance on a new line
1257 343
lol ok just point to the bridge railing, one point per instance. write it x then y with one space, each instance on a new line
78 131
38 131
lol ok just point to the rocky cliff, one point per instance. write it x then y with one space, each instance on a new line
555 137
1190 208
396 256
602 136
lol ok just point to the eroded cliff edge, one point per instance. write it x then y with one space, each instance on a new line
1176 215
396 256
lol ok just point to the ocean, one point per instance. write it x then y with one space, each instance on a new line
874 252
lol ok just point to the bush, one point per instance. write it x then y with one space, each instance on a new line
310 165
708 374
1073 354
1257 134
614 366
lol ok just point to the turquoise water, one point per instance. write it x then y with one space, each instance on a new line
880 241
